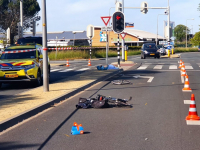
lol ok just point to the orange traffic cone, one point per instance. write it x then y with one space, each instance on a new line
192 110
181 64
186 85
183 72
67 64
89 63
180 61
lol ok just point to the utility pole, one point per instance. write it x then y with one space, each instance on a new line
168 22
21 17
45 49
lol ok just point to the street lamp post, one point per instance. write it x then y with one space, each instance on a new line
74 32
157 28
21 17
186 31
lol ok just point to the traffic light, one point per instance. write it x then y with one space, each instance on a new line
118 6
143 9
33 27
19 30
118 22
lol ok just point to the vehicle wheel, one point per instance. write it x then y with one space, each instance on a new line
158 57
141 57
39 79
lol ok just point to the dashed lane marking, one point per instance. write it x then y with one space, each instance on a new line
188 67
83 69
187 101
158 67
172 67
66 70
53 70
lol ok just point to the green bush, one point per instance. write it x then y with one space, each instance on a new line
181 49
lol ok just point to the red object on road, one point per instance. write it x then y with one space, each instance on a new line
187 85
67 65
89 63
192 110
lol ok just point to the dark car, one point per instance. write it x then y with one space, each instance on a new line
199 48
25 40
149 50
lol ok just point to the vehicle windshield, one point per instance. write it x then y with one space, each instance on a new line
23 55
150 46
37 40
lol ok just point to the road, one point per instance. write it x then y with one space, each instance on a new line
156 121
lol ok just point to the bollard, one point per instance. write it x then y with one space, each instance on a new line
125 55
168 53
172 51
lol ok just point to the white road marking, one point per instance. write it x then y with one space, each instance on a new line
148 63
190 122
53 70
142 67
150 78
182 79
172 67
158 67
198 64
66 70
187 101
83 69
188 67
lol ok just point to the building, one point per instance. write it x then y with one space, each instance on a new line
133 37
64 38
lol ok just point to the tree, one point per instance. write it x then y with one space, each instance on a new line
10 14
180 32
196 39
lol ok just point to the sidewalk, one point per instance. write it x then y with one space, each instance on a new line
29 103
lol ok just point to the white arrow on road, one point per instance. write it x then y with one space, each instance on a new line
150 78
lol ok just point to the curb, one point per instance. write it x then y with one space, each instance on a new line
29 113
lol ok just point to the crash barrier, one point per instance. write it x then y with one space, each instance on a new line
120 82
73 48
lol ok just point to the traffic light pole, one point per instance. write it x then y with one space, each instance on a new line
123 41
90 48
45 50
21 18
118 51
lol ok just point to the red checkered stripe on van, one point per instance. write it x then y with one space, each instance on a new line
19 51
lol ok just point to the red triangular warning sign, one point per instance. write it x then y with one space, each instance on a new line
106 19
123 35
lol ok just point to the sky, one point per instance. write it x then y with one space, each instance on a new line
76 15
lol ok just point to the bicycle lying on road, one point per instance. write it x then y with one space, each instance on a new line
102 101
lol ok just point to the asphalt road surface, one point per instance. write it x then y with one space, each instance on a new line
155 122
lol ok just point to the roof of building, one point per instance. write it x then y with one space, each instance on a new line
142 34
62 35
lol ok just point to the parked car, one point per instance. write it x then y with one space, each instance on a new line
161 49
22 63
31 39
149 50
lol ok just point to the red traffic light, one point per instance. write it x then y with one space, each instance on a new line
118 17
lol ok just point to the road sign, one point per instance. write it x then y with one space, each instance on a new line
90 31
106 28
123 35
129 25
106 19
103 37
